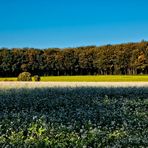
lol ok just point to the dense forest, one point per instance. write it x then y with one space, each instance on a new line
129 59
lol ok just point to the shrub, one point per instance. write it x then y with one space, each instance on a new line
37 78
24 76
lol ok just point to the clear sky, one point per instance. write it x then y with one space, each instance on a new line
72 23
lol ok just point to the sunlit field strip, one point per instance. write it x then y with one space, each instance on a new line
111 78
8 79
99 78
7 84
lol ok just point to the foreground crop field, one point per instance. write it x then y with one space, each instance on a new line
73 115
99 78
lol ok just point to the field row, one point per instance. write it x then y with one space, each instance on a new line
99 78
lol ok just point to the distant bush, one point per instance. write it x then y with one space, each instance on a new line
37 78
24 76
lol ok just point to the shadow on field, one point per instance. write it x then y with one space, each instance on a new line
69 104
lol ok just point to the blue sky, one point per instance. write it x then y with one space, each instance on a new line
72 23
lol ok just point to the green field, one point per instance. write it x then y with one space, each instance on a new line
73 117
99 78
8 79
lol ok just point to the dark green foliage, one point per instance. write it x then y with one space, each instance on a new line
24 76
74 117
131 58
37 78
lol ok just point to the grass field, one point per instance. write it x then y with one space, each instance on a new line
43 116
8 79
100 78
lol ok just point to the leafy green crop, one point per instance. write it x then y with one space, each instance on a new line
74 117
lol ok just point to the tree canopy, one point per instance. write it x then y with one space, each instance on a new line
130 58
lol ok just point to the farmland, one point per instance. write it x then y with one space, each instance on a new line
73 114
98 78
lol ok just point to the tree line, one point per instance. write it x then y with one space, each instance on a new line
125 59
